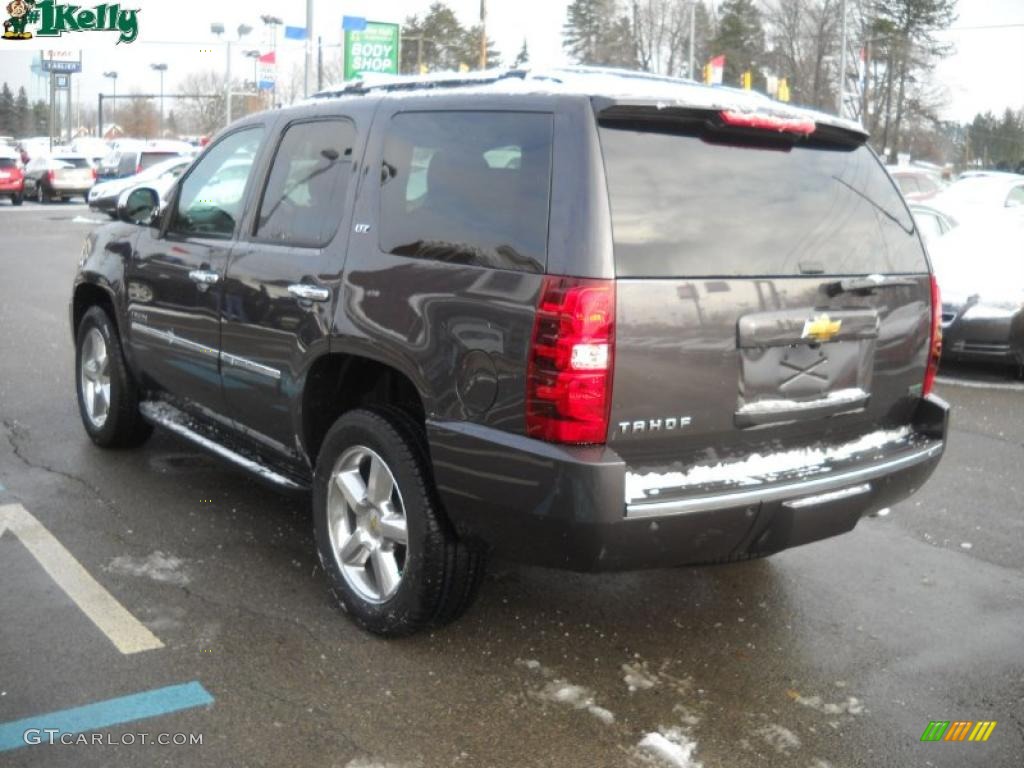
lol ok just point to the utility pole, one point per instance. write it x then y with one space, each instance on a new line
693 28
483 34
842 64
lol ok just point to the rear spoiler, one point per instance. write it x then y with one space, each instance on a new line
764 121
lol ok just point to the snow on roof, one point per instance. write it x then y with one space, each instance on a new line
617 84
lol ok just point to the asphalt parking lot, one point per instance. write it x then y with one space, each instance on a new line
836 654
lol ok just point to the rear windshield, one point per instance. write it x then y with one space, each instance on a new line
8 162
685 205
72 162
150 159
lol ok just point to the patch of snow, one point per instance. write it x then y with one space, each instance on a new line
633 87
575 696
781 739
559 691
851 394
638 678
157 566
852 705
672 747
966 545
87 220
761 468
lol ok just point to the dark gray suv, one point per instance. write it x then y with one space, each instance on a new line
576 318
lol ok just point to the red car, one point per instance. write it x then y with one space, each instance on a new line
12 180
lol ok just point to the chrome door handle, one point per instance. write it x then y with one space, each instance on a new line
309 292
203 277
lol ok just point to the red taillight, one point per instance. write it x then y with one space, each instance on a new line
569 377
93 173
764 122
51 175
935 342
138 169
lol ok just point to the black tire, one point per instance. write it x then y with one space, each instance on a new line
440 575
123 426
17 199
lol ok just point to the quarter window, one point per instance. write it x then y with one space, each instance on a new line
305 194
467 188
213 193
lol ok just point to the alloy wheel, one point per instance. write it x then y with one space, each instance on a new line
367 524
94 373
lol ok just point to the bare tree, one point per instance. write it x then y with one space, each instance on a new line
202 112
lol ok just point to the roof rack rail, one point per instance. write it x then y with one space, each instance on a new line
420 82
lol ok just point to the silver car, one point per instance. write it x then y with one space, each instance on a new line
980 270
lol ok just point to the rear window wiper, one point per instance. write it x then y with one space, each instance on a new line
864 286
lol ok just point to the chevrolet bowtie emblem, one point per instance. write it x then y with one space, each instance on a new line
822 328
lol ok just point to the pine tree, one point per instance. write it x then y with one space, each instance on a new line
24 125
8 126
523 57
39 116
596 33
740 38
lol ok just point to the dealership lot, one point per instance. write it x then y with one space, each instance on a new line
836 654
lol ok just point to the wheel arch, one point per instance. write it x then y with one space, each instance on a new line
87 295
339 382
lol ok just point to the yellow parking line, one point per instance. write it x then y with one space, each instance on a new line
126 632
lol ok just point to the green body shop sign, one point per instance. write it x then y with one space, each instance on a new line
373 49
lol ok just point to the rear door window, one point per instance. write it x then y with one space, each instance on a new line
304 199
468 188
72 162
149 159
687 205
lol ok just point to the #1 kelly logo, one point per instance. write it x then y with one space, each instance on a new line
52 19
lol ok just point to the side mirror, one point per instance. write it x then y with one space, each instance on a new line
139 206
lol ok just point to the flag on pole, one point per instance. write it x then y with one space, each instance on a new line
267 71
295 33
715 70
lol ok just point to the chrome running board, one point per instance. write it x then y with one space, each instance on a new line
167 416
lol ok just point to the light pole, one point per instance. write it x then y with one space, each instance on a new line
218 29
112 76
254 54
161 68
309 48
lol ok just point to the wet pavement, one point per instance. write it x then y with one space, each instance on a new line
835 654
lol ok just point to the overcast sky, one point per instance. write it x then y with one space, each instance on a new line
986 72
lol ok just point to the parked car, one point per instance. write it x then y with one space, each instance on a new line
916 184
533 327
104 196
59 177
91 147
931 223
980 267
979 196
131 159
12 180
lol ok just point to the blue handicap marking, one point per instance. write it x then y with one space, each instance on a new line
104 714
